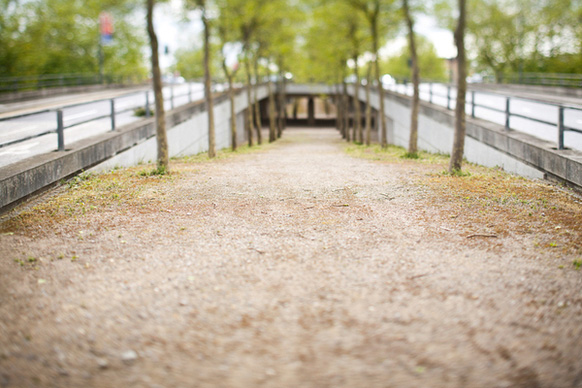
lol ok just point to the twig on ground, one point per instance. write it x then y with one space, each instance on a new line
482 235
419 276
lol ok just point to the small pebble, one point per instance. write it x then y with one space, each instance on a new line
129 356
103 363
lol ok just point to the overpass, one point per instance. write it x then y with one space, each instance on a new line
487 143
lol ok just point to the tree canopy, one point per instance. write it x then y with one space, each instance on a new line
312 39
62 36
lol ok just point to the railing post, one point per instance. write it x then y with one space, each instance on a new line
449 97
561 128
507 112
472 103
189 92
60 131
112 114
147 104
430 92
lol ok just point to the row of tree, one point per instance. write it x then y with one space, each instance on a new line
262 30
343 31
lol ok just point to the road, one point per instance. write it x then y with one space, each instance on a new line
518 105
88 119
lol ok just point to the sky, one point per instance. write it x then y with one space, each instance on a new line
176 33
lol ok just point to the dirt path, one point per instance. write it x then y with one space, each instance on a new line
295 267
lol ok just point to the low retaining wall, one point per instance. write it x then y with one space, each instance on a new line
486 143
128 145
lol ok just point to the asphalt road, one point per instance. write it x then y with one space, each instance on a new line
81 121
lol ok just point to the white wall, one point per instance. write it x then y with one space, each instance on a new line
189 137
436 137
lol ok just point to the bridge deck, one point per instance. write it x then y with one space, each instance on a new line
295 266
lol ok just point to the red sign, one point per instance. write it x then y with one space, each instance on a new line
106 27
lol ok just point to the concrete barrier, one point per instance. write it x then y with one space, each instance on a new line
128 145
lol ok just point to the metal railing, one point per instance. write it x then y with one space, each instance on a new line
559 123
538 79
17 84
113 112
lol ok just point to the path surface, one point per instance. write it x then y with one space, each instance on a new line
295 267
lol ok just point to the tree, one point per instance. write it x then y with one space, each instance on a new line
68 33
368 104
358 42
228 35
430 65
460 125
203 6
161 136
374 11
190 62
413 141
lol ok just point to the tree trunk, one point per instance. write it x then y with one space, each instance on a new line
368 105
383 134
460 128
161 136
272 128
357 106
231 97
340 111
346 114
208 89
281 106
258 123
250 122
413 141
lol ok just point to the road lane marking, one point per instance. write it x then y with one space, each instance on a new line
79 115
29 128
20 150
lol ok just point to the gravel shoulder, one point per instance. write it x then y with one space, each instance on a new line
295 265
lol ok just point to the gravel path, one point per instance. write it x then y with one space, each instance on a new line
295 267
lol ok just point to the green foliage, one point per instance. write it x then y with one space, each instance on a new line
508 36
158 171
431 66
190 62
457 172
62 36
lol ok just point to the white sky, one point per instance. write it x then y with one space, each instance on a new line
176 33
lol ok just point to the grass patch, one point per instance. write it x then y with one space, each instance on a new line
157 171
411 155
392 154
135 189
460 173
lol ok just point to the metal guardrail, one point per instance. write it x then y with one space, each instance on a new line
539 79
559 123
60 116
17 84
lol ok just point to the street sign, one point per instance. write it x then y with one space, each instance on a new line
106 28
